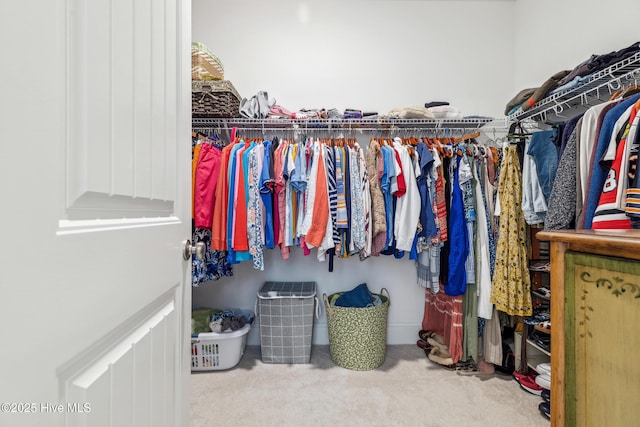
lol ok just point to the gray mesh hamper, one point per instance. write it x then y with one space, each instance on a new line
286 310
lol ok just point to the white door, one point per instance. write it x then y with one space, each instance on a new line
95 188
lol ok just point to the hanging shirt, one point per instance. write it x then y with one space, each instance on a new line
277 177
427 220
232 199
346 172
357 204
385 184
407 214
534 204
613 122
327 245
459 241
255 208
240 230
219 222
195 155
607 214
482 252
400 179
378 220
332 189
341 213
366 201
207 174
320 214
281 197
290 197
266 194
311 194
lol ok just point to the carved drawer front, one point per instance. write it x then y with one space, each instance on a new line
602 340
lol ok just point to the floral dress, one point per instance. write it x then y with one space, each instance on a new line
511 284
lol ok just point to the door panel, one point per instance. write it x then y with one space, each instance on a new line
95 176
122 108
133 368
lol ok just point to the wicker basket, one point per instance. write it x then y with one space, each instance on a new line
214 99
204 64
358 336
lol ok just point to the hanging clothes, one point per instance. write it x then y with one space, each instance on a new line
613 123
562 203
511 284
610 213
485 248
407 213
206 170
195 155
459 240
206 179
378 221
213 265
443 315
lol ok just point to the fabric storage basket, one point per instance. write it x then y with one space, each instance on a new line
216 99
204 64
212 351
358 336
286 310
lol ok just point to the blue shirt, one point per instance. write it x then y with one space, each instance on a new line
231 257
267 197
459 240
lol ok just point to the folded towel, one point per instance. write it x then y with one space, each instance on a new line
411 112
446 112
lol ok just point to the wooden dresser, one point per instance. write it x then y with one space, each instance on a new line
595 322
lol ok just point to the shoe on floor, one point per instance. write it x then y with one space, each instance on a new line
544 381
444 360
545 409
546 395
542 292
472 370
425 335
518 376
443 348
544 368
530 385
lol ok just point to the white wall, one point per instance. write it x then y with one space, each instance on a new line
372 55
555 35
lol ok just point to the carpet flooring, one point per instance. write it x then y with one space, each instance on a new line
406 390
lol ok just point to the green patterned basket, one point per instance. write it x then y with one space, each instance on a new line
358 336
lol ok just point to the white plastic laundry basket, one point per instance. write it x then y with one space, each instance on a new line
212 351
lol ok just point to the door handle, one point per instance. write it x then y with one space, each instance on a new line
197 249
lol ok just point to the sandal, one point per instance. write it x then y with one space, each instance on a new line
424 345
544 327
425 335
472 369
444 350
442 360
542 291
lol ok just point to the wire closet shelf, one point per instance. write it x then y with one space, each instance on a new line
597 88
442 127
